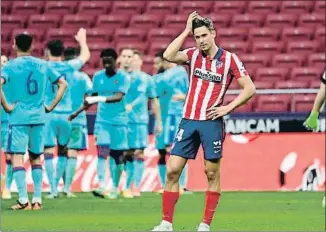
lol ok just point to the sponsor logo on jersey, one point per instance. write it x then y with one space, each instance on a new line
207 75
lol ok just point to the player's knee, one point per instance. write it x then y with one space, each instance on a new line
173 173
103 151
34 158
162 157
211 175
139 154
62 150
118 156
8 158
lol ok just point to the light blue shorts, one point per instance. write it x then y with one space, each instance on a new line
4 134
79 137
171 128
21 137
114 136
57 129
137 136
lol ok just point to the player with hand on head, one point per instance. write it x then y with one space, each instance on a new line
211 71
109 89
164 92
6 194
80 85
26 78
58 128
142 89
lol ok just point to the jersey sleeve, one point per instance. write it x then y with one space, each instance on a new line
53 75
76 64
323 78
237 68
189 52
151 89
88 84
124 84
5 73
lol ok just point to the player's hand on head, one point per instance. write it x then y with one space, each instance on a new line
81 36
218 111
191 17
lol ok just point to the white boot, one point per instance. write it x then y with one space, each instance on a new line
203 227
164 226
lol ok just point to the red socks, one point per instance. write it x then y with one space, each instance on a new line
210 206
169 199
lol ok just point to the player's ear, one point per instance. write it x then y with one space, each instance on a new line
213 33
14 44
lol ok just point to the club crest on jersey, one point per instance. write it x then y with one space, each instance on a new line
219 64
207 75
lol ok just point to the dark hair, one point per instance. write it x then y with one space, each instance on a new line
55 47
109 57
109 52
204 22
160 54
70 53
23 42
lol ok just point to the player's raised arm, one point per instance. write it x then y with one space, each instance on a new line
84 50
172 52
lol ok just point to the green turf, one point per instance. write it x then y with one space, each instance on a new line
237 211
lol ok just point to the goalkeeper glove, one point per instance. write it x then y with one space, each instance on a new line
312 121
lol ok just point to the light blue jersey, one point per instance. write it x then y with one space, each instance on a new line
27 78
67 69
81 85
178 77
142 88
4 115
111 113
164 92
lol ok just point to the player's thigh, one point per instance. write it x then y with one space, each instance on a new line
4 134
17 139
49 132
63 129
102 134
212 137
78 138
118 137
36 139
187 140
137 135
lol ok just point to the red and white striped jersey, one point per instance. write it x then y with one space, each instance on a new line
208 80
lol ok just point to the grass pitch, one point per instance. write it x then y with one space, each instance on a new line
237 211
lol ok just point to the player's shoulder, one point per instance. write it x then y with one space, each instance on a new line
190 50
122 75
99 73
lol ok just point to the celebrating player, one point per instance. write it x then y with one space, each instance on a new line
109 88
58 128
26 77
141 89
164 92
80 85
202 122
4 134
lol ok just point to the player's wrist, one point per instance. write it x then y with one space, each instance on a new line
314 114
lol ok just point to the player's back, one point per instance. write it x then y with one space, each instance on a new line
66 69
178 80
80 85
26 79
112 113
164 92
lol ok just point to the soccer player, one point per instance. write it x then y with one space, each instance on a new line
164 92
80 85
202 122
178 77
312 121
4 134
142 89
109 89
58 128
27 77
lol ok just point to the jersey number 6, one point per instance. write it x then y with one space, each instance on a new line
32 87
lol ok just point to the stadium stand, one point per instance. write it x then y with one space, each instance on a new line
282 43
